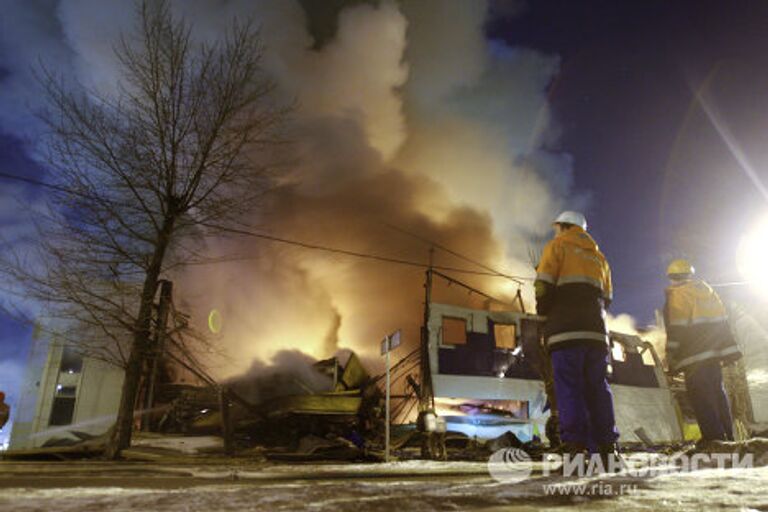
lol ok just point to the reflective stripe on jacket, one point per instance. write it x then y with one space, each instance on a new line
573 282
697 326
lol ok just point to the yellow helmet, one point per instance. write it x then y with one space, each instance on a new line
680 267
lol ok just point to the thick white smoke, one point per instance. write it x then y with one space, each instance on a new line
408 116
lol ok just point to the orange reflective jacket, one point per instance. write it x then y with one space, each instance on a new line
573 283
697 325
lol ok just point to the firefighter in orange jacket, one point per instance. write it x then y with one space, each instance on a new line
699 340
573 288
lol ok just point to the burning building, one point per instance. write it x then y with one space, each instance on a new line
409 121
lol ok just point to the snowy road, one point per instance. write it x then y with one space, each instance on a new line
405 488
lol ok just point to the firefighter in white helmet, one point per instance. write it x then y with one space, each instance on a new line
699 340
573 288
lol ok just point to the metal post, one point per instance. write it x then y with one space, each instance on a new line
519 297
387 407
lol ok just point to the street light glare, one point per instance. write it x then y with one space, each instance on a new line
751 256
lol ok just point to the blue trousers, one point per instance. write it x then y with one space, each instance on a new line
584 398
704 386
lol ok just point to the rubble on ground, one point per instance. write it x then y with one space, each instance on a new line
324 411
329 410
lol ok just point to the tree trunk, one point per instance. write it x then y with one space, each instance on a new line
158 346
121 435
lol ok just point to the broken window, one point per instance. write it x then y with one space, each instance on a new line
71 361
66 391
63 408
454 331
505 335
617 351
476 407
648 359
62 411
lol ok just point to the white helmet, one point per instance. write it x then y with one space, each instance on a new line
569 217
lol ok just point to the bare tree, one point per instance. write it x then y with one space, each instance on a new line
178 146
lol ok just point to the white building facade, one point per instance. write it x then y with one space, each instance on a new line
63 393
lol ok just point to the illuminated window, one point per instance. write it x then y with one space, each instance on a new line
505 336
71 361
454 331
617 352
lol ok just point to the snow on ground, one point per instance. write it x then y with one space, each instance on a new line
735 489
182 444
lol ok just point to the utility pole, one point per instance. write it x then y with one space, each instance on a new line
426 416
163 310
426 400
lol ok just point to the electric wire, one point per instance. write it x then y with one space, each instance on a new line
517 279
356 254
38 183
489 271
305 245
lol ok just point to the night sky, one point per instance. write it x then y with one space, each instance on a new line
661 181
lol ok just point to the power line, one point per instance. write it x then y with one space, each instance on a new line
517 279
38 183
57 188
728 284
474 290
345 252
489 272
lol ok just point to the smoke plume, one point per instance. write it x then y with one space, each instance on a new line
626 324
409 121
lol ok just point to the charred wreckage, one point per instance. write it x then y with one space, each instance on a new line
473 385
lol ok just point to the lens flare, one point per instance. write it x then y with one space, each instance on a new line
751 254
214 321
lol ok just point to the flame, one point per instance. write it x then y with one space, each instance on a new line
474 407
653 334
408 118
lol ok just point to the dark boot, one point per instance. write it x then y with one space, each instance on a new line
575 459
610 458
552 430
573 448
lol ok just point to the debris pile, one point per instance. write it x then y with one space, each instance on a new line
322 411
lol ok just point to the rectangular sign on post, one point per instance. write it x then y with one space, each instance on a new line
391 342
